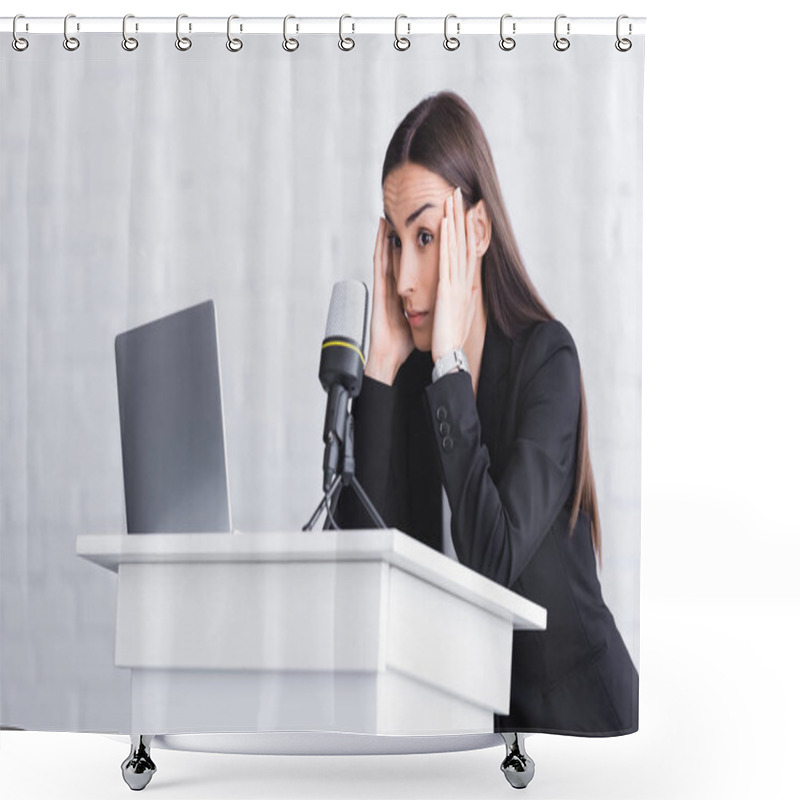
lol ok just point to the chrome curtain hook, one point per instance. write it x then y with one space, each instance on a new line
623 45
401 42
18 43
289 45
70 42
561 43
451 42
234 45
507 42
345 42
183 43
128 42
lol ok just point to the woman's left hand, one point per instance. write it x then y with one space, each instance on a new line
457 294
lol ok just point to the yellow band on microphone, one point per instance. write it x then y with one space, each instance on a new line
345 344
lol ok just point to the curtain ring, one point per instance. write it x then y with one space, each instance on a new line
451 42
401 42
507 42
289 45
345 42
183 43
623 45
70 42
128 42
18 43
561 43
234 45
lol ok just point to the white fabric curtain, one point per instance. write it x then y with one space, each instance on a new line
137 184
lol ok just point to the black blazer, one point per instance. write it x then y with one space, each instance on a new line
507 462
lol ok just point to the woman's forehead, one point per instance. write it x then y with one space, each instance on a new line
409 187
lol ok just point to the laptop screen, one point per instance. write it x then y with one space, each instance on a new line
171 421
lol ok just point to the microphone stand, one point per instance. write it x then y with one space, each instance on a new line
346 477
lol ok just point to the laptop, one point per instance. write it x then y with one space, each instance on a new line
173 434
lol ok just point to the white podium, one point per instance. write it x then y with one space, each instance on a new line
351 631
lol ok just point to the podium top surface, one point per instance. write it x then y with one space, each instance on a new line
390 546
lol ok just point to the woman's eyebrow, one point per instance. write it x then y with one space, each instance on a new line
411 217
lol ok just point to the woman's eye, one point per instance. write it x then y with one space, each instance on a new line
423 238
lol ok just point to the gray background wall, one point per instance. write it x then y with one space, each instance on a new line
134 184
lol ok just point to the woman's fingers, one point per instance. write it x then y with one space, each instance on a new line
384 286
444 251
458 263
472 257
390 337
459 222
378 257
452 241
388 286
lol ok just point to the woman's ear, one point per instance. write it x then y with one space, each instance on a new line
483 228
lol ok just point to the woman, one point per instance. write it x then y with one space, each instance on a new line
473 410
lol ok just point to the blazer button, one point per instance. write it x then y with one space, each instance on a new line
447 444
441 413
444 428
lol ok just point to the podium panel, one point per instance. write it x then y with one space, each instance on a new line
366 632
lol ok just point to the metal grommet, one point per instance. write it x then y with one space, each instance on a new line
128 42
18 43
289 45
561 43
507 42
401 42
623 45
451 42
234 45
345 42
70 42
183 43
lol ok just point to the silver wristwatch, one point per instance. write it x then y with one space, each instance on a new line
452 359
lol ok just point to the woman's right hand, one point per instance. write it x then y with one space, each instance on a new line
390 341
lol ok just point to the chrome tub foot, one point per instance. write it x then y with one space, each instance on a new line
517 766
138 768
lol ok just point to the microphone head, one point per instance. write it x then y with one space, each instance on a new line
347 313
342 359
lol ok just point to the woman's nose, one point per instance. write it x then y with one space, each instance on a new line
406 273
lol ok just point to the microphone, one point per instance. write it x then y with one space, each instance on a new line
341 367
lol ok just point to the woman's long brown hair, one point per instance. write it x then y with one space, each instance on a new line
443 135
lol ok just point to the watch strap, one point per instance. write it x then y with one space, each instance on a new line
452 359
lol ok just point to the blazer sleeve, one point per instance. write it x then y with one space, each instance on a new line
499 520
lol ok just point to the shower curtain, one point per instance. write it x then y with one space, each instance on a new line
136 184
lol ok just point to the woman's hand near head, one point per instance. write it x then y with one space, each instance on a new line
457 293
390 341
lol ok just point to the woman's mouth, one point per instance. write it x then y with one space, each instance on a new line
416 318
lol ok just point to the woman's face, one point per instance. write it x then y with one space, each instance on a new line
414 205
